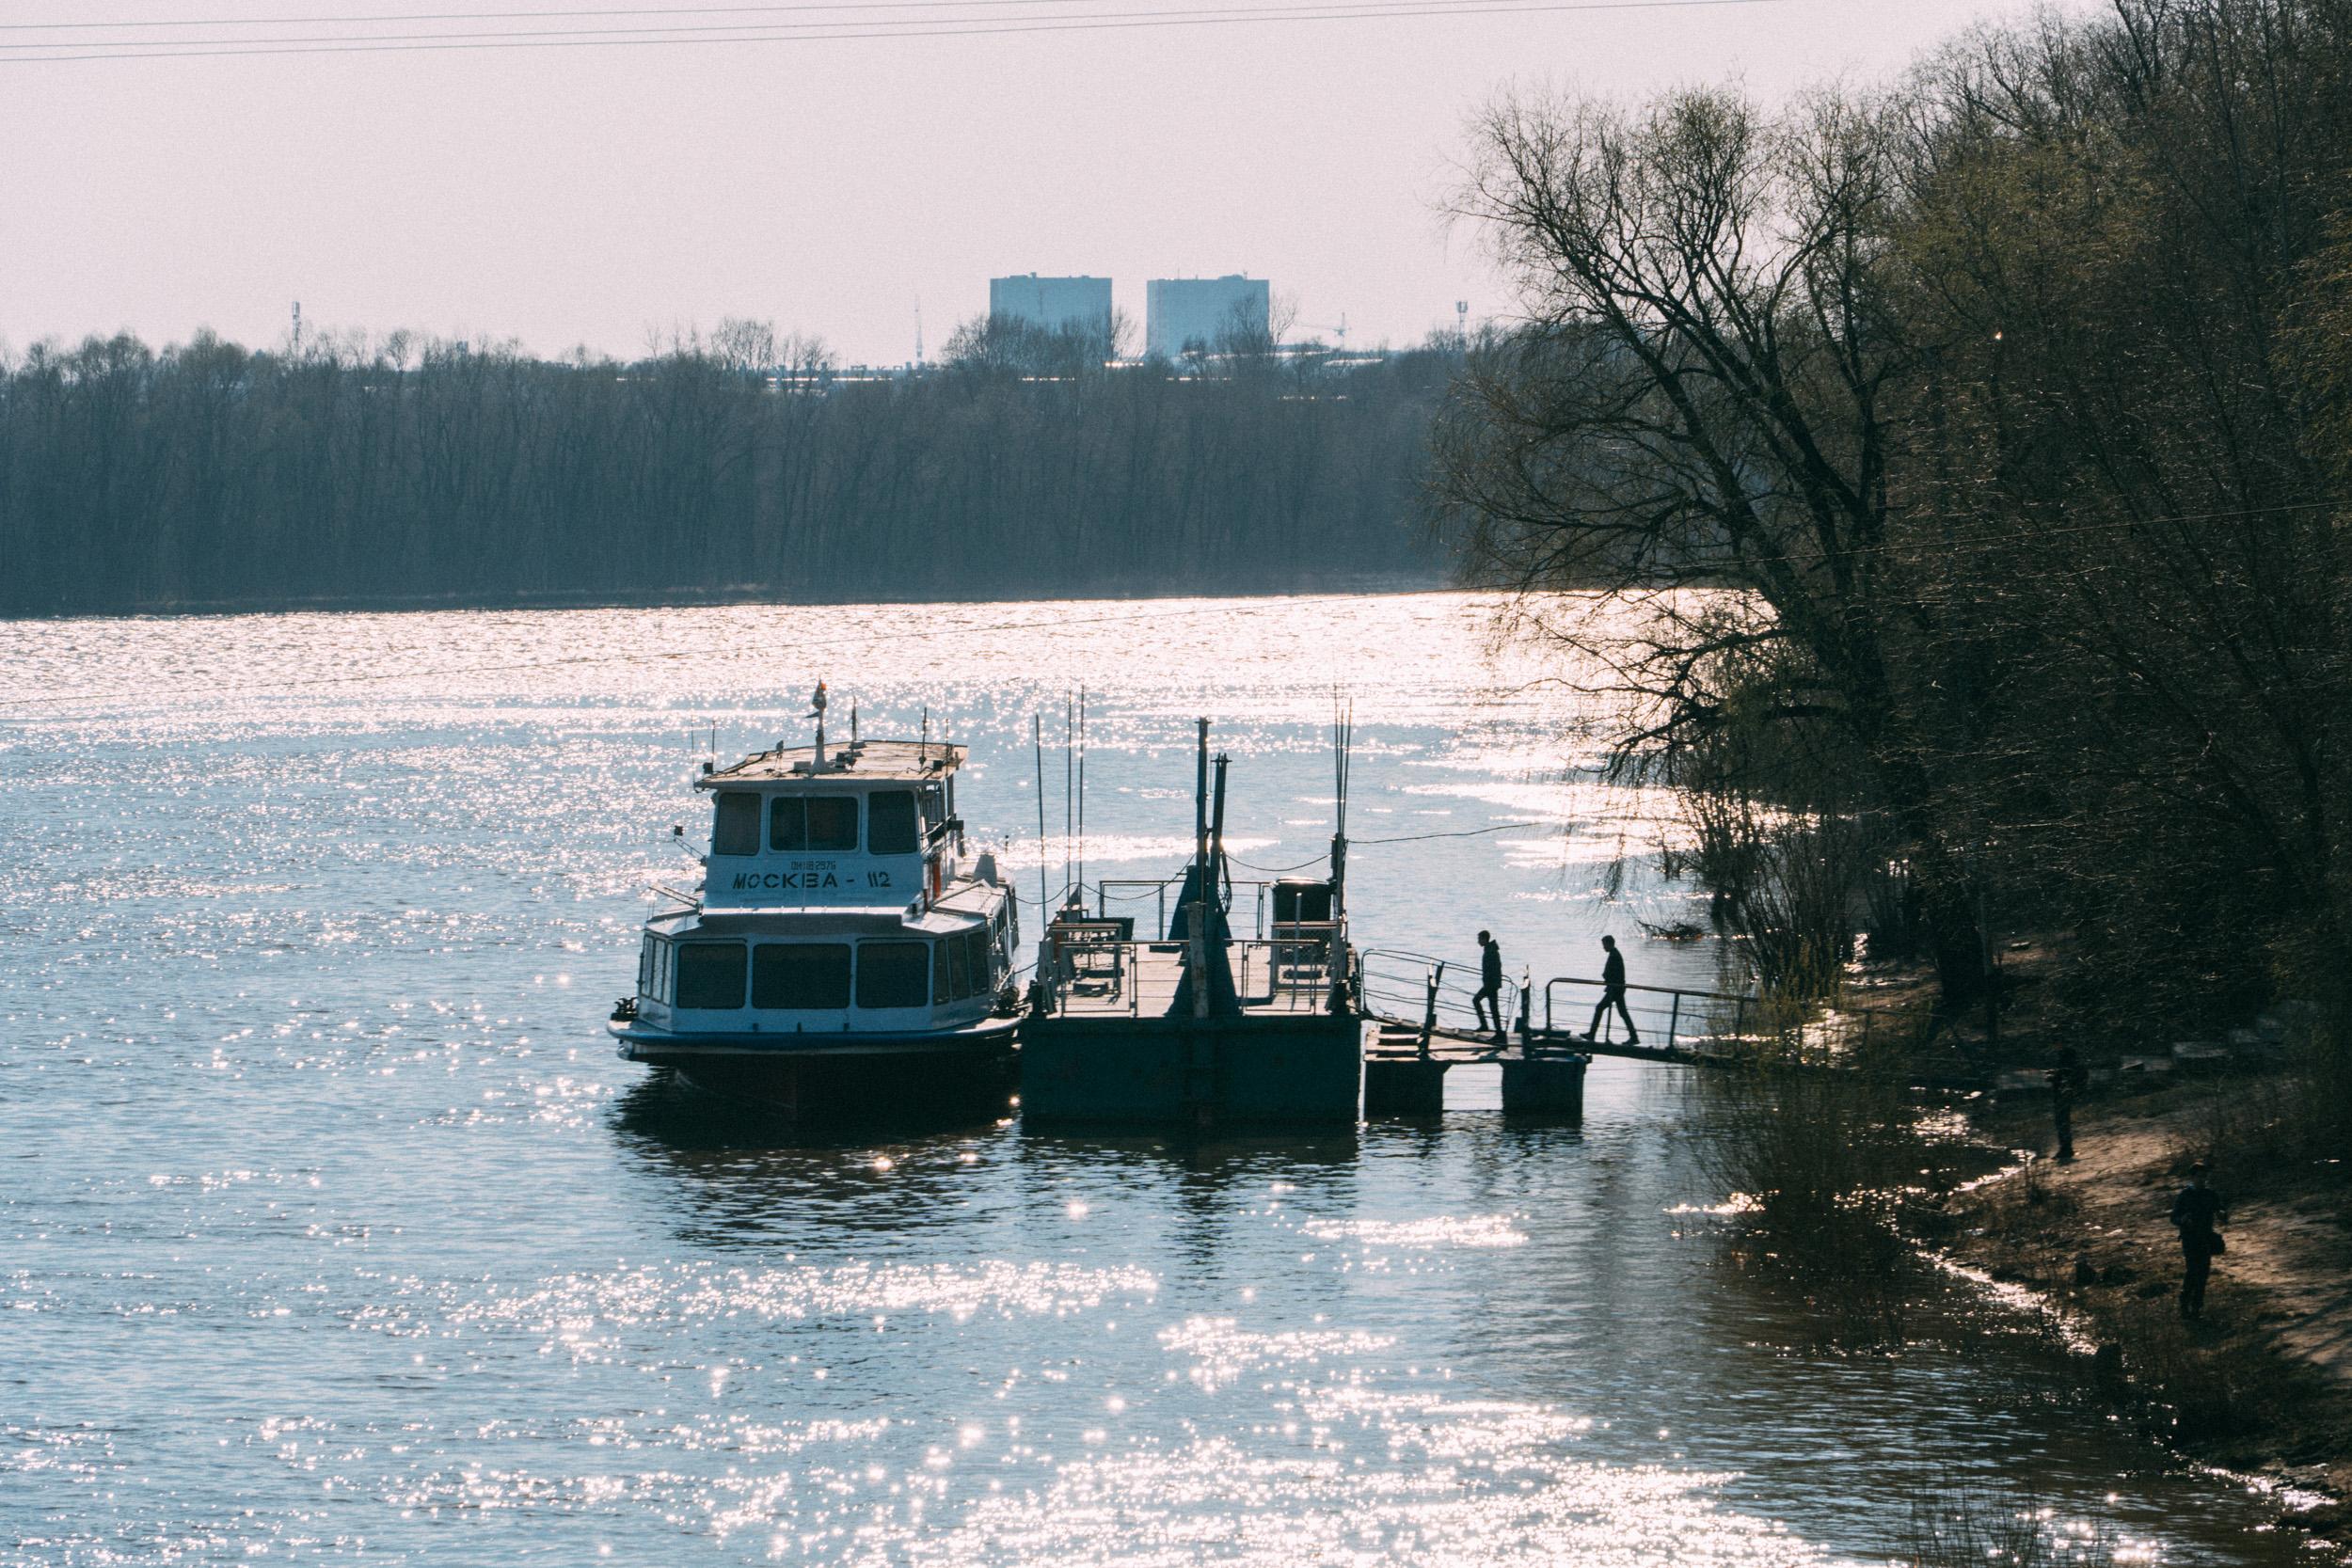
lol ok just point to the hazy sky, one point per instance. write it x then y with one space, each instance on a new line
596 194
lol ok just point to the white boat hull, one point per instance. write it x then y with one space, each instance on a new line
852 1076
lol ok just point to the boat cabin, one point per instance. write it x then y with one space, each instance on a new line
835 899
871 825
861 971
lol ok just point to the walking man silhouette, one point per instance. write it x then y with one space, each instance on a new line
1613 994
1489 998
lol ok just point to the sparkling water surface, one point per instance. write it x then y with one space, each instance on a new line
331 1229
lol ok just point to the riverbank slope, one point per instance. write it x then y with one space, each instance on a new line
2262 1383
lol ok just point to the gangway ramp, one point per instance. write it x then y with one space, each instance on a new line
1426 1022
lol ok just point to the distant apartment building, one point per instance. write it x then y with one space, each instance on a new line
1205 310
1052 302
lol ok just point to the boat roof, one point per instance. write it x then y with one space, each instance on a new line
867 761
819 923
966 904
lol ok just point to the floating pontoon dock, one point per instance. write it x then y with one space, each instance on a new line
1295 1025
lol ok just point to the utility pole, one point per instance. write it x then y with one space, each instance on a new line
919 332
1461 325
298 329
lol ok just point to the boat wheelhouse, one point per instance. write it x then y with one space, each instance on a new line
844 953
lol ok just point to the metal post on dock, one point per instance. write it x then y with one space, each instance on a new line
1196 927
1197 955
1674 1021
1429 1010
1526 1003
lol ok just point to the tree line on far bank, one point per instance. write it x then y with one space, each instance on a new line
2016 397
407 472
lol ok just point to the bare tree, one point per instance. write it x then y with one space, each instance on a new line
1702 395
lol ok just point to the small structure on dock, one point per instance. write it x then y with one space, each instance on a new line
1198 1029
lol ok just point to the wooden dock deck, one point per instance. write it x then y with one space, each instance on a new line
1116 1046
1139 979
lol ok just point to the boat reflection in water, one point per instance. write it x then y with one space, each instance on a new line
843 959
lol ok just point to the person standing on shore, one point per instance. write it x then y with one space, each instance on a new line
2066 1083
2194 1210
1613 994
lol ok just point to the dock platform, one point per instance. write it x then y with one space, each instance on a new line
1309 1041
1116 1049
1404 1070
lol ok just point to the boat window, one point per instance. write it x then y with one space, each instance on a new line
710 975
1301 902
958 959
817 822
939 976
833 822
801 974
894 973
737 829
934 805
644 968
890 825
664 964
983 977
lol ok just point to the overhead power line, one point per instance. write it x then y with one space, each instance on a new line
684 33
760 32
925 23
400 17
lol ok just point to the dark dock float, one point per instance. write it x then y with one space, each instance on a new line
1404 1072
1294 1070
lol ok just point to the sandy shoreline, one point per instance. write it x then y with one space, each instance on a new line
2261 1385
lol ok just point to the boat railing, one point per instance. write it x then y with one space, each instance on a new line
1415 988
1717 1021
1158 897
1287 973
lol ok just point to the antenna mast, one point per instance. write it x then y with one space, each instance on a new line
298 329
1037 742
1343 748
1069 786
1082 791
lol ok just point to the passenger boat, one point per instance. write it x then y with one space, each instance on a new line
844 957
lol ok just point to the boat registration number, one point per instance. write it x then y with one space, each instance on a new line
805 881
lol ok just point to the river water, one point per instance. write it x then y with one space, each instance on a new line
331 1229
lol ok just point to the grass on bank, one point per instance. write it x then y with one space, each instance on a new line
1964 1526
